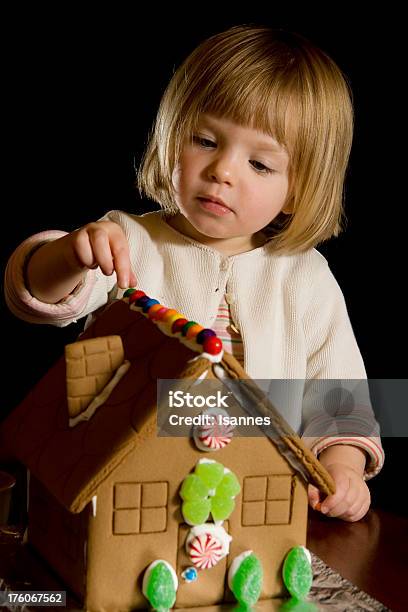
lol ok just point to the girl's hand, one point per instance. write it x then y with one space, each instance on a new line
56 268
103 244
352 498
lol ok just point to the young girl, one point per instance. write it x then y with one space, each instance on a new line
247 160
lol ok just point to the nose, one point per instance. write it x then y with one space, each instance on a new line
221 170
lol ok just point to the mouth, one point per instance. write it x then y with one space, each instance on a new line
214 205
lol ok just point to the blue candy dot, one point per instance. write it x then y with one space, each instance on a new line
190 574
149 303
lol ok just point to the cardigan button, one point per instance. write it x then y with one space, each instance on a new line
230 298
224 264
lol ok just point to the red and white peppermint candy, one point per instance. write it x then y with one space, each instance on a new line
205 551
215 435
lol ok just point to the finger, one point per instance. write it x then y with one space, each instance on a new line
132 279
352 517
340 510
121 260
331 501
351 501
82 249
313 496
101 249
361 512
359 508
355 508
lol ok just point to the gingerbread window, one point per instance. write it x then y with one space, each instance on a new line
139 507
266 500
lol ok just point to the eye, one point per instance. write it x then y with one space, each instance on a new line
203 142
261 168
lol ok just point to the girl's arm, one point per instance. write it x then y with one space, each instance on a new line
351 456
57 267
338 421
337 407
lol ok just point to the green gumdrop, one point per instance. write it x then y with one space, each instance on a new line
247 582
229 486
193 488
221 507
160 589
196 511
297 573
210 473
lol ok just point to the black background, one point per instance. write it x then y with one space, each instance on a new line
80 92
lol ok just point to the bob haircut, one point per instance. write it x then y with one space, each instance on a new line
281 84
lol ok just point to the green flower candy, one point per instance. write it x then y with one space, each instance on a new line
211 489
297 573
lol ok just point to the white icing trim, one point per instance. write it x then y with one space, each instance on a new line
164 327
235 566
102 397
201 446
307 553
200 378
148 571
219 372
211 358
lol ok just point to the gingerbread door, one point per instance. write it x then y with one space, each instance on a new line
209 588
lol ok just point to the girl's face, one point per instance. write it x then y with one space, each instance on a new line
231 181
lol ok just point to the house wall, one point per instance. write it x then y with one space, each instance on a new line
138 520
59 536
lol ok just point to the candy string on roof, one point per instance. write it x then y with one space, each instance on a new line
206 339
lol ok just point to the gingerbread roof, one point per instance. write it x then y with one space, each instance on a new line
72 462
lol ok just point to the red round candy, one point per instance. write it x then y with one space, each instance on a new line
212 345
136 295
178 325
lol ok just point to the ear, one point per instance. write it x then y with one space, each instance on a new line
288 206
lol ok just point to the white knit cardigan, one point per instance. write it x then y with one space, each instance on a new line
289 310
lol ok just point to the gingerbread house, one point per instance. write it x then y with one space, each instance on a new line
104 495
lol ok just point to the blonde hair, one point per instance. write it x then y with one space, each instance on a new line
276 82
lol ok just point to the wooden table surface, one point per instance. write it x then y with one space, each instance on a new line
372 553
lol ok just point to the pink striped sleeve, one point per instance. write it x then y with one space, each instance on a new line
371 445
26 306
227 332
